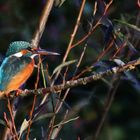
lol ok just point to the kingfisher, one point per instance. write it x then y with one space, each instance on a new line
18 65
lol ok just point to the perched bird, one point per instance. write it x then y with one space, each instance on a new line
18 65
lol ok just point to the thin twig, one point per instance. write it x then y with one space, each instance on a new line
8 130
108 104
94 27
34 101
35 42
67 121
119 49
9 105
57 129
31 114
81 58
66 93
89 33
75 30
50 130
58 106
72 37
106 50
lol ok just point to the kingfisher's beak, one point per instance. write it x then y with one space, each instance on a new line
44 52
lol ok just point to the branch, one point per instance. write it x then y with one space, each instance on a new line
42 23
108 103
81 81
72 37
94 27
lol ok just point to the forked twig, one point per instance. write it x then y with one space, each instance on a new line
72 37
94 27
58 106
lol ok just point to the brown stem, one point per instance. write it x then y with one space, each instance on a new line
72 37
60 103
9 105
34 101
81 81
106 50
75 30
58 128
94 27
58 106
8 129
42 23
108 103
30 121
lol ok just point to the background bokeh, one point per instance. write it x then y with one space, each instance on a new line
19 20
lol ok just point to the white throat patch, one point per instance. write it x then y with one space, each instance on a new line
19 54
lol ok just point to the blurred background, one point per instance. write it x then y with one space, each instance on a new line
19 20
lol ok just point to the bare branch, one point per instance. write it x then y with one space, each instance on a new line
81 81
42 23
108 103
72 37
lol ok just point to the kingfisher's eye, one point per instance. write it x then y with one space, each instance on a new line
29 49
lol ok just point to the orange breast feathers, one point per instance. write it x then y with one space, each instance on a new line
20 78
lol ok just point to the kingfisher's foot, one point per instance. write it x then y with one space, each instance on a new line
2 94
7 95
18 92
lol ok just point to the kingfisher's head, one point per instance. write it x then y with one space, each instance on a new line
20 48
16 47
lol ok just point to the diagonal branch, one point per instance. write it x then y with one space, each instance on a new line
42 23
81 81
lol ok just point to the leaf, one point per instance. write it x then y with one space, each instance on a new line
63 65
2 122
58 3
44 116
65 122
128 24
119 62
120 40
54 133
23 127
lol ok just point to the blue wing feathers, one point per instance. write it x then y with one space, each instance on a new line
10 67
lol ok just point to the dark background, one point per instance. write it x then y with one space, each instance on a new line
19 20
